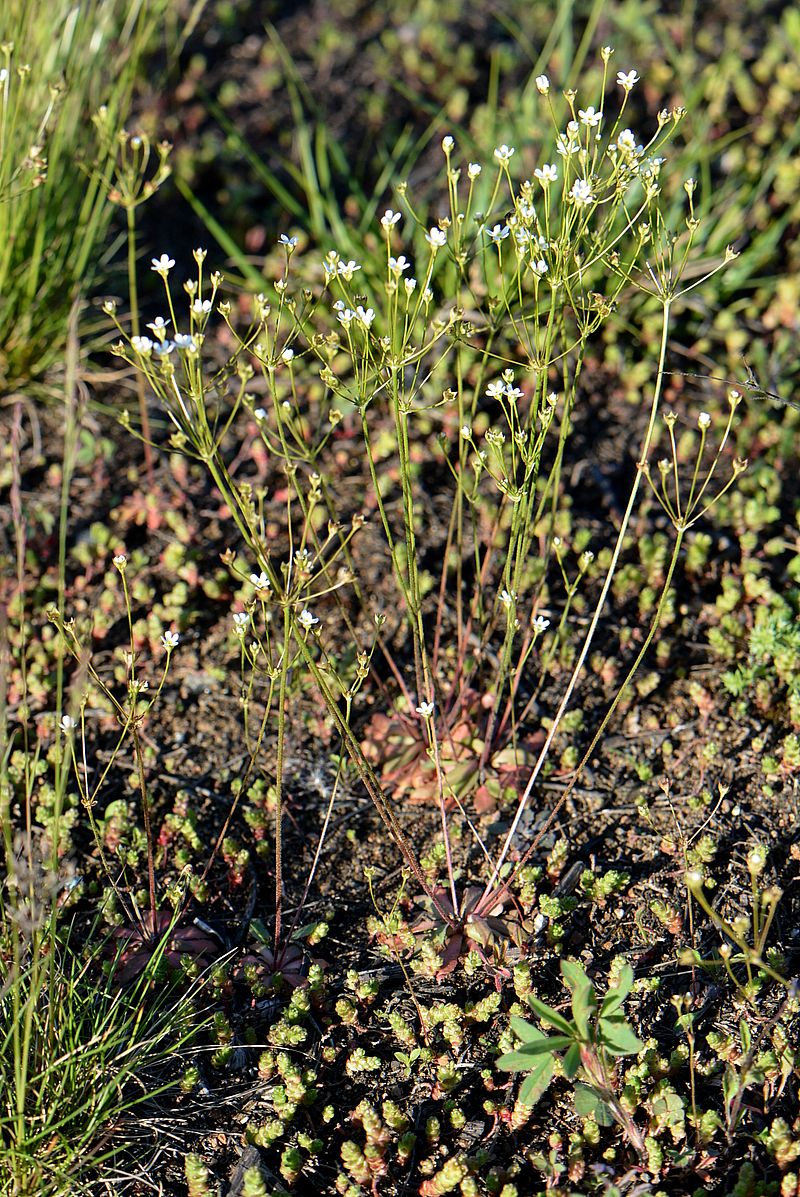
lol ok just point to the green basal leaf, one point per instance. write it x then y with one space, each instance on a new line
551 1017
745 1036
584 999
528 1051
616 996
516 1061
537 1081
584 1007
589 1104
572 1062
730 1083
618 1036
574 975
525 1031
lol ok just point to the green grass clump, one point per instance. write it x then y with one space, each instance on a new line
76 1052
60 63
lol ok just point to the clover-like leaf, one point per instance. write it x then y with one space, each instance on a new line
589 1104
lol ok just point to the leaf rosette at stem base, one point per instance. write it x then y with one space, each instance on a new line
398 748
479 924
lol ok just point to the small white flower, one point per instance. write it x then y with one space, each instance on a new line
170 640
626 140
513 393
185 341
542 84
142 345
652 168
447 144
199 255
201 307
120 561
474 169
581 192
306 619
539 268
466 431
163 348
756 859
347 269
496 390
240 621
365 316
287 355
260 581
162 265
425 709
547 173
627 80
289 242
67 723
260 414
590 117
566 145
507 598
345 316
410 285
436 237
499 233
540 624
704 420
503 154
390 219
399 265
159 326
